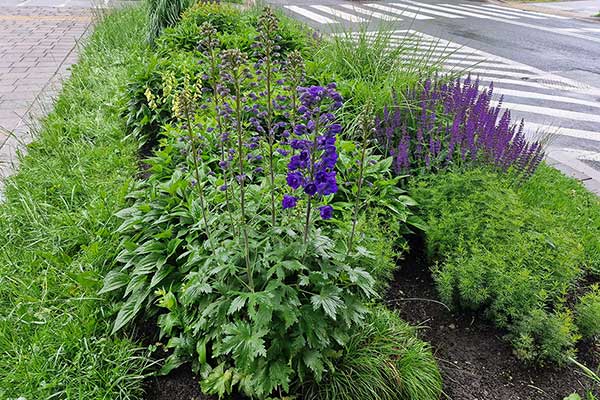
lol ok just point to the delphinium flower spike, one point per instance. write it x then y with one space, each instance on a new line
312 164
184 107
267 51
234 72
209 47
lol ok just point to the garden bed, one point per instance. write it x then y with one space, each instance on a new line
476 362
244 248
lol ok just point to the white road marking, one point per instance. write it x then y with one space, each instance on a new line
340 14
426 5
487 72
489 64
423 11
498 12
407 14
526 12
372 14
24 3
559 113
541 96
490 13
311 15
576 133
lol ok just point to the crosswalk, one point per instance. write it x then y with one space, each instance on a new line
547 102
400 10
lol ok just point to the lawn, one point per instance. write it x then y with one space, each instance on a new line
226 204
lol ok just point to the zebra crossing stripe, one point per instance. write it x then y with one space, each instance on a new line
576 115
340 14
311 15
407 14
488 64
549 97
487 72
421 10
488 13
501 13
371 14
576 133
459 12
525 12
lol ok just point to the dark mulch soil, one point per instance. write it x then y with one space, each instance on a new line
180 384
475 361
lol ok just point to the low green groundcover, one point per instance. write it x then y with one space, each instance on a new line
516 252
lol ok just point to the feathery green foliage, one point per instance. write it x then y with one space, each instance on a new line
503 253
588 313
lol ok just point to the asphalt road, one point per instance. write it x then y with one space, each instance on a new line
547 66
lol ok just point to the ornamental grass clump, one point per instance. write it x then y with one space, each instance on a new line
236 241
455 125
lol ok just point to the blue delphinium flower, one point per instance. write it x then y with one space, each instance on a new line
289 201
326 212
312 165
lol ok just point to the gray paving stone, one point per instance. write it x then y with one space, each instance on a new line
37 45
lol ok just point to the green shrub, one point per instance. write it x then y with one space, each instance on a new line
383 360
544 336
571 204
150 94
250 284
588 313
500 255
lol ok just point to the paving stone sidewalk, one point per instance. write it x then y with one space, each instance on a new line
37 46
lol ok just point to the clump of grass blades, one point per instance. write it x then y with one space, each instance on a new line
57 220
163 14
384 360
374 66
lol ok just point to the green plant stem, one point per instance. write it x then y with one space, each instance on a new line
360 184
214 73
269 130
312 174
240 144
197 175
307 221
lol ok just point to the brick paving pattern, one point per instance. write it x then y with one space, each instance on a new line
37 46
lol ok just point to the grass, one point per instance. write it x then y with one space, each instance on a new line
373 66
383 360
57 223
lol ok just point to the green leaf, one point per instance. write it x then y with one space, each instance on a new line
172 362
314 361
130 309
114 280
244 343
328 300
237 304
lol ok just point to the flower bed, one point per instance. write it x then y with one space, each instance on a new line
280 187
